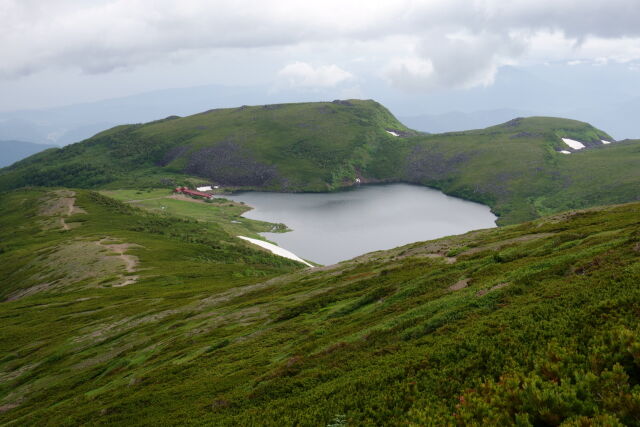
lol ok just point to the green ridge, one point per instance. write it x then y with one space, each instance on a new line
515 168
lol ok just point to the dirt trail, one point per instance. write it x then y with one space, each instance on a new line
130 261
61 204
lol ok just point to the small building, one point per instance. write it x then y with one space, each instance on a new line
205 188
185 190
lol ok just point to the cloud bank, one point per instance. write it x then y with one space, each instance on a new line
445 43
303 75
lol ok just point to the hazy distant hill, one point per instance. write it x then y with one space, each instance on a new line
459 121
72 123
12 151
515 91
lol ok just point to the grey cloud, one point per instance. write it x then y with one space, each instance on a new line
461 63
105 35
454 62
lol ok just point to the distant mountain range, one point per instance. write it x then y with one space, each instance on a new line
515 93
12 151
460 121
73 123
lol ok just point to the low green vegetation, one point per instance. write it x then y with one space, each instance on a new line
124 304
220 211
530 324
515 168
306 146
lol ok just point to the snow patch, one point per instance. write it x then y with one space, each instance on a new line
605 142
576 145
277 250
565 152
390 132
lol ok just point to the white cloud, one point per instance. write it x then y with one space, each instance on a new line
455 61
410 73
303 75
460 43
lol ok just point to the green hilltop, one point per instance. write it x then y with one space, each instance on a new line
516 168
115 315
280 147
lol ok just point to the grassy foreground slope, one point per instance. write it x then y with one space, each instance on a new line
515 168
535 324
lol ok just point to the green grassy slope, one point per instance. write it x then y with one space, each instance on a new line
536 324
223 212
515 168
308 146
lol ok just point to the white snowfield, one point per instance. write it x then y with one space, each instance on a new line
576 145
390 132
605 142
277 250
565 152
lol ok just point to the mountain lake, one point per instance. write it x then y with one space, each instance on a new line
332 227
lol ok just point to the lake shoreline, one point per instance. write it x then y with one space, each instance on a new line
362 219
367 182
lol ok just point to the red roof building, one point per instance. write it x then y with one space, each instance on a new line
185 190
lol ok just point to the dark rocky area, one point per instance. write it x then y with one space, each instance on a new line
425 164
228 164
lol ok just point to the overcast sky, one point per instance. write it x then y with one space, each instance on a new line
57 52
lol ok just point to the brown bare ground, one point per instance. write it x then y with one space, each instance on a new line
60 204
446 259
494 288
460 285
130 261
8 406
79 260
